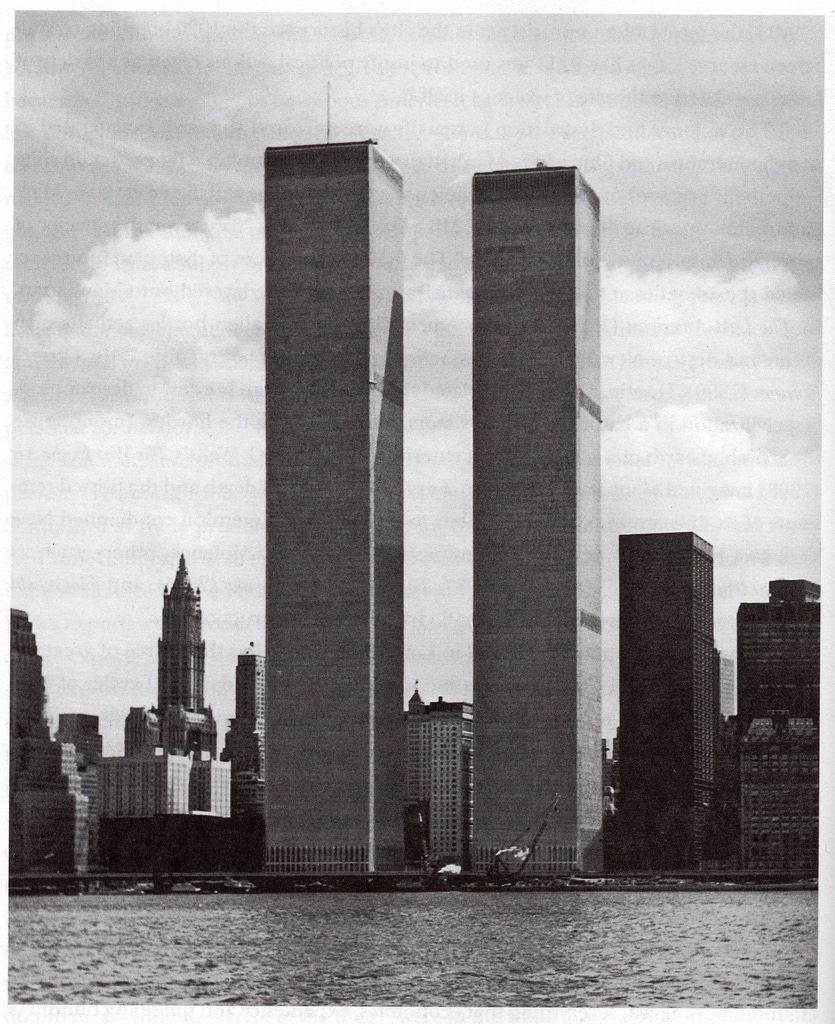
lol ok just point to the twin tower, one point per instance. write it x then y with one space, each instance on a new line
334 442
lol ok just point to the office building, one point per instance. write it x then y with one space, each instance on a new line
27 690
48 811
727 687
779 767
209 786
334 443
143 732
181 647
83 732
180 723
80 733
142 787
721 848
245 740
536 422
668 696
439 776
778 653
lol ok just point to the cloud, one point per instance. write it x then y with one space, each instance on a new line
169 305
746 345
139 434
681 468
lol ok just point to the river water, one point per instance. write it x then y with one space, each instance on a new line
526 949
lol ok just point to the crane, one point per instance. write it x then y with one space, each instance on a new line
509 862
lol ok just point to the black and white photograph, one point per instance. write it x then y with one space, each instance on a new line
416 427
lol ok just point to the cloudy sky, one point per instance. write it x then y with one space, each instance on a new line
138 358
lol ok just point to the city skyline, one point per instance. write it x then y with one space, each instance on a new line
140 345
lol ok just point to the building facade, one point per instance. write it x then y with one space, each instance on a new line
779 768
144 787
439 776
668 697
778 653
334 443
536 481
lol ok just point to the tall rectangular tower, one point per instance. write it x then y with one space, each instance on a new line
334 360
440 775
668 697
536 420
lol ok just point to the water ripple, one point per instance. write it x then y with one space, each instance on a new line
418 949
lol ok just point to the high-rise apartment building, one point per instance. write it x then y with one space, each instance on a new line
439 775
668 696
536 421
778 653
334 442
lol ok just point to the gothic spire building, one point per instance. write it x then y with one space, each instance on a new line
180 723
181 648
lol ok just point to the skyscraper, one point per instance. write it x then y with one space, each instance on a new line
334 360
245 739
536 420
27 691
81 732
727 687
186 724
779 775
181 723
778 653
439 775
181 648
48 810
668 696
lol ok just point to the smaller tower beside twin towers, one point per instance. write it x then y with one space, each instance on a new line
182 648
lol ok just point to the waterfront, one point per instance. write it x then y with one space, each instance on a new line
732 949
